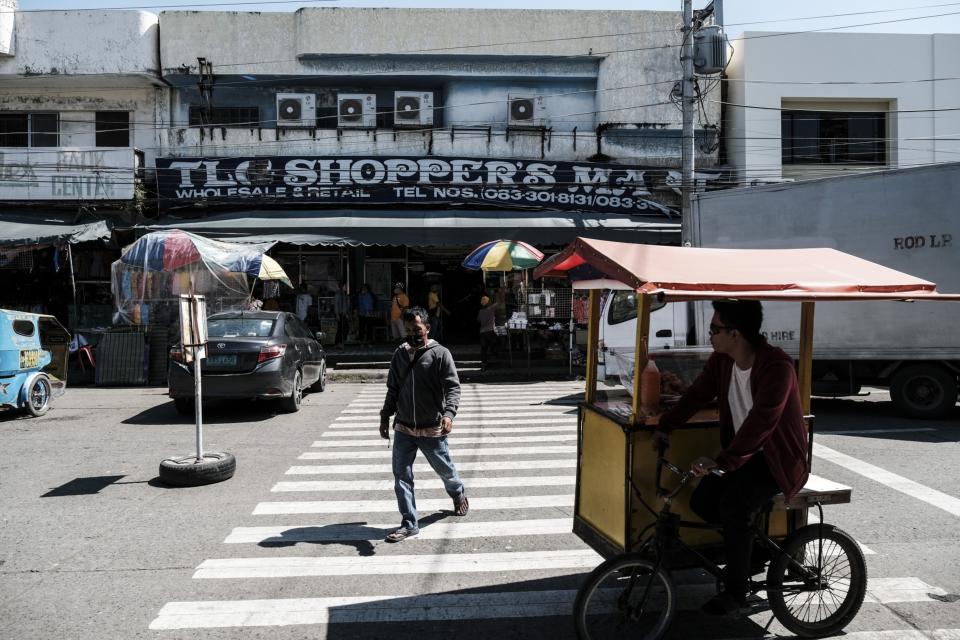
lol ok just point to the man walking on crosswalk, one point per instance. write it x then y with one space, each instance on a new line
423 390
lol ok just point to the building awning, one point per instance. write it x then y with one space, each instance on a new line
403 227
45 229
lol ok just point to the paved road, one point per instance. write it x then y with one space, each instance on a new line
291 547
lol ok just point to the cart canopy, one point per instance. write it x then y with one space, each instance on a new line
686 273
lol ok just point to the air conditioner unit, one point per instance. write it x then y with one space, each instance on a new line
296 110
412 108
526 111
357 110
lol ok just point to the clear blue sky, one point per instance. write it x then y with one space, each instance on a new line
899 16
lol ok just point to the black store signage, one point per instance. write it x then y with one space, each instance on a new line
346 180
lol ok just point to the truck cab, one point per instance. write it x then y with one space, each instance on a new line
618 323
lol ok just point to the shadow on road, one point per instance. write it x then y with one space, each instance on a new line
349 534
863 416
214 412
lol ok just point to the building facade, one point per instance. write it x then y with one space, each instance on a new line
807 105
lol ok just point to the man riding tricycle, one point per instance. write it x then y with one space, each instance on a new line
33 360
740 430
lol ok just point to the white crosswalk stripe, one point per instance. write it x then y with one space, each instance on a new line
374 423
477 452
288 567
503 437
491 439
426 484
435 531
463 467
490 429
429 505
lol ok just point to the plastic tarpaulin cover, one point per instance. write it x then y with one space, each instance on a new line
151 274
687 273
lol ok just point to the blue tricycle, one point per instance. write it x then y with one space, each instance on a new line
33 360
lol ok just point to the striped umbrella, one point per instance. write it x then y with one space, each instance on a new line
503 255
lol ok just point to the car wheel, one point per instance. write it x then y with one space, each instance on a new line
38 396
924 391
292 404
184 406
321 382
190 472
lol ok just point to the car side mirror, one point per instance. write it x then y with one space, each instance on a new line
320 336
665 333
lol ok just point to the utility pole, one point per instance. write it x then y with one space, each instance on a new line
687 148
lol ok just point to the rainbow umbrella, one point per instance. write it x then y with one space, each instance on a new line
503 255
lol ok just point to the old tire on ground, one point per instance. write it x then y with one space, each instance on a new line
924 391
292 404
38 396
184 406
321 382
185 471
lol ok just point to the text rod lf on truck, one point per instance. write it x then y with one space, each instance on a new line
905 219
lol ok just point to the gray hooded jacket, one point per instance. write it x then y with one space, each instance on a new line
429 392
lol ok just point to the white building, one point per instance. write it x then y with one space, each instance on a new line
802 105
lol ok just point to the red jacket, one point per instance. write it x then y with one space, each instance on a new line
775 423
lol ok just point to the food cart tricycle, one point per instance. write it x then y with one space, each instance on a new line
636 515
33 360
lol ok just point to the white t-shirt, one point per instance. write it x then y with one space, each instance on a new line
304 300
739 396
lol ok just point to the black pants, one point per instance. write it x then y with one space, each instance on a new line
488 345
733 500
366 328
343 328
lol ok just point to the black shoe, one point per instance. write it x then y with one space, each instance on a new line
723 604
401 534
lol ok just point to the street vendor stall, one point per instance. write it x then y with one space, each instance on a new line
616 459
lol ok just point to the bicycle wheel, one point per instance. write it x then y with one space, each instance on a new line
817 583
625 597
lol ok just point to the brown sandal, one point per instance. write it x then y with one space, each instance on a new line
461 506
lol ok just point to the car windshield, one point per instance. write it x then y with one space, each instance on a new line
239 327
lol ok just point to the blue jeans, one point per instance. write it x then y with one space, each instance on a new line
438 455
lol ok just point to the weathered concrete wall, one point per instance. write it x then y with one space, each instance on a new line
77 110
863 67
7 30
637 50
59 43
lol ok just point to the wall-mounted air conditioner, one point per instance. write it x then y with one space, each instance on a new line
412 108
296 110
526 111
357 110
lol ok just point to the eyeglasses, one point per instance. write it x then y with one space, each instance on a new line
717 328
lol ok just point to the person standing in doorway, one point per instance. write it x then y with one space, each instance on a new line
398 303
341 309
304 300
423 395
487 319
366 307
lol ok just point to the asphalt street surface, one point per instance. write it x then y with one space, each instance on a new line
92 546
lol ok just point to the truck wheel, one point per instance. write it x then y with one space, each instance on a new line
924 391
184 406
188 472
38 396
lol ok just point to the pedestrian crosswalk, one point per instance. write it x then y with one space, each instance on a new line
316 536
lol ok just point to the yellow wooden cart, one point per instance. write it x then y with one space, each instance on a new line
616 460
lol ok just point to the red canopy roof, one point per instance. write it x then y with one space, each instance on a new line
760 274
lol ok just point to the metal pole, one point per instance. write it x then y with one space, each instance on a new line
198 403
73 279
687 145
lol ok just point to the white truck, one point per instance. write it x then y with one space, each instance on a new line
905 219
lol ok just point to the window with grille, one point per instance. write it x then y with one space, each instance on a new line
833 137
225 117
113 129
29 129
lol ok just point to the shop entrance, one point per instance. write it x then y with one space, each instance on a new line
459 289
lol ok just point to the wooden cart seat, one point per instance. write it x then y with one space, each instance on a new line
817 490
